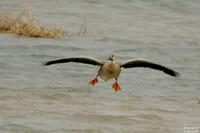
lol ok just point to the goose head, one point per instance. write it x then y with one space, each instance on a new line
112 58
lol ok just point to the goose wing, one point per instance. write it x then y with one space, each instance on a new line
143 63
85 60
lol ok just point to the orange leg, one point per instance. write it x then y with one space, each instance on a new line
116 86
94 81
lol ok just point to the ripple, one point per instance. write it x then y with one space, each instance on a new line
149 117
18 128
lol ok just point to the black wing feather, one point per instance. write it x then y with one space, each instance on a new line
85 60
143 63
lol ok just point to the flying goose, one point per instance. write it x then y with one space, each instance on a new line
110 69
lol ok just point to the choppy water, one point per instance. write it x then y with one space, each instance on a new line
58 99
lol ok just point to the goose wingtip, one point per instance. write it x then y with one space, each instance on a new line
176 74
45 63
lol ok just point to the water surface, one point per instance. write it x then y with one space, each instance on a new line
58 99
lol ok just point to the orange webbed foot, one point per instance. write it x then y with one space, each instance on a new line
116 87
94 81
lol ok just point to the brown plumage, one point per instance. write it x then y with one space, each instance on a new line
109 69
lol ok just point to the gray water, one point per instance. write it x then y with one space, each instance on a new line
58 99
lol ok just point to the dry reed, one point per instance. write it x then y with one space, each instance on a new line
25 24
